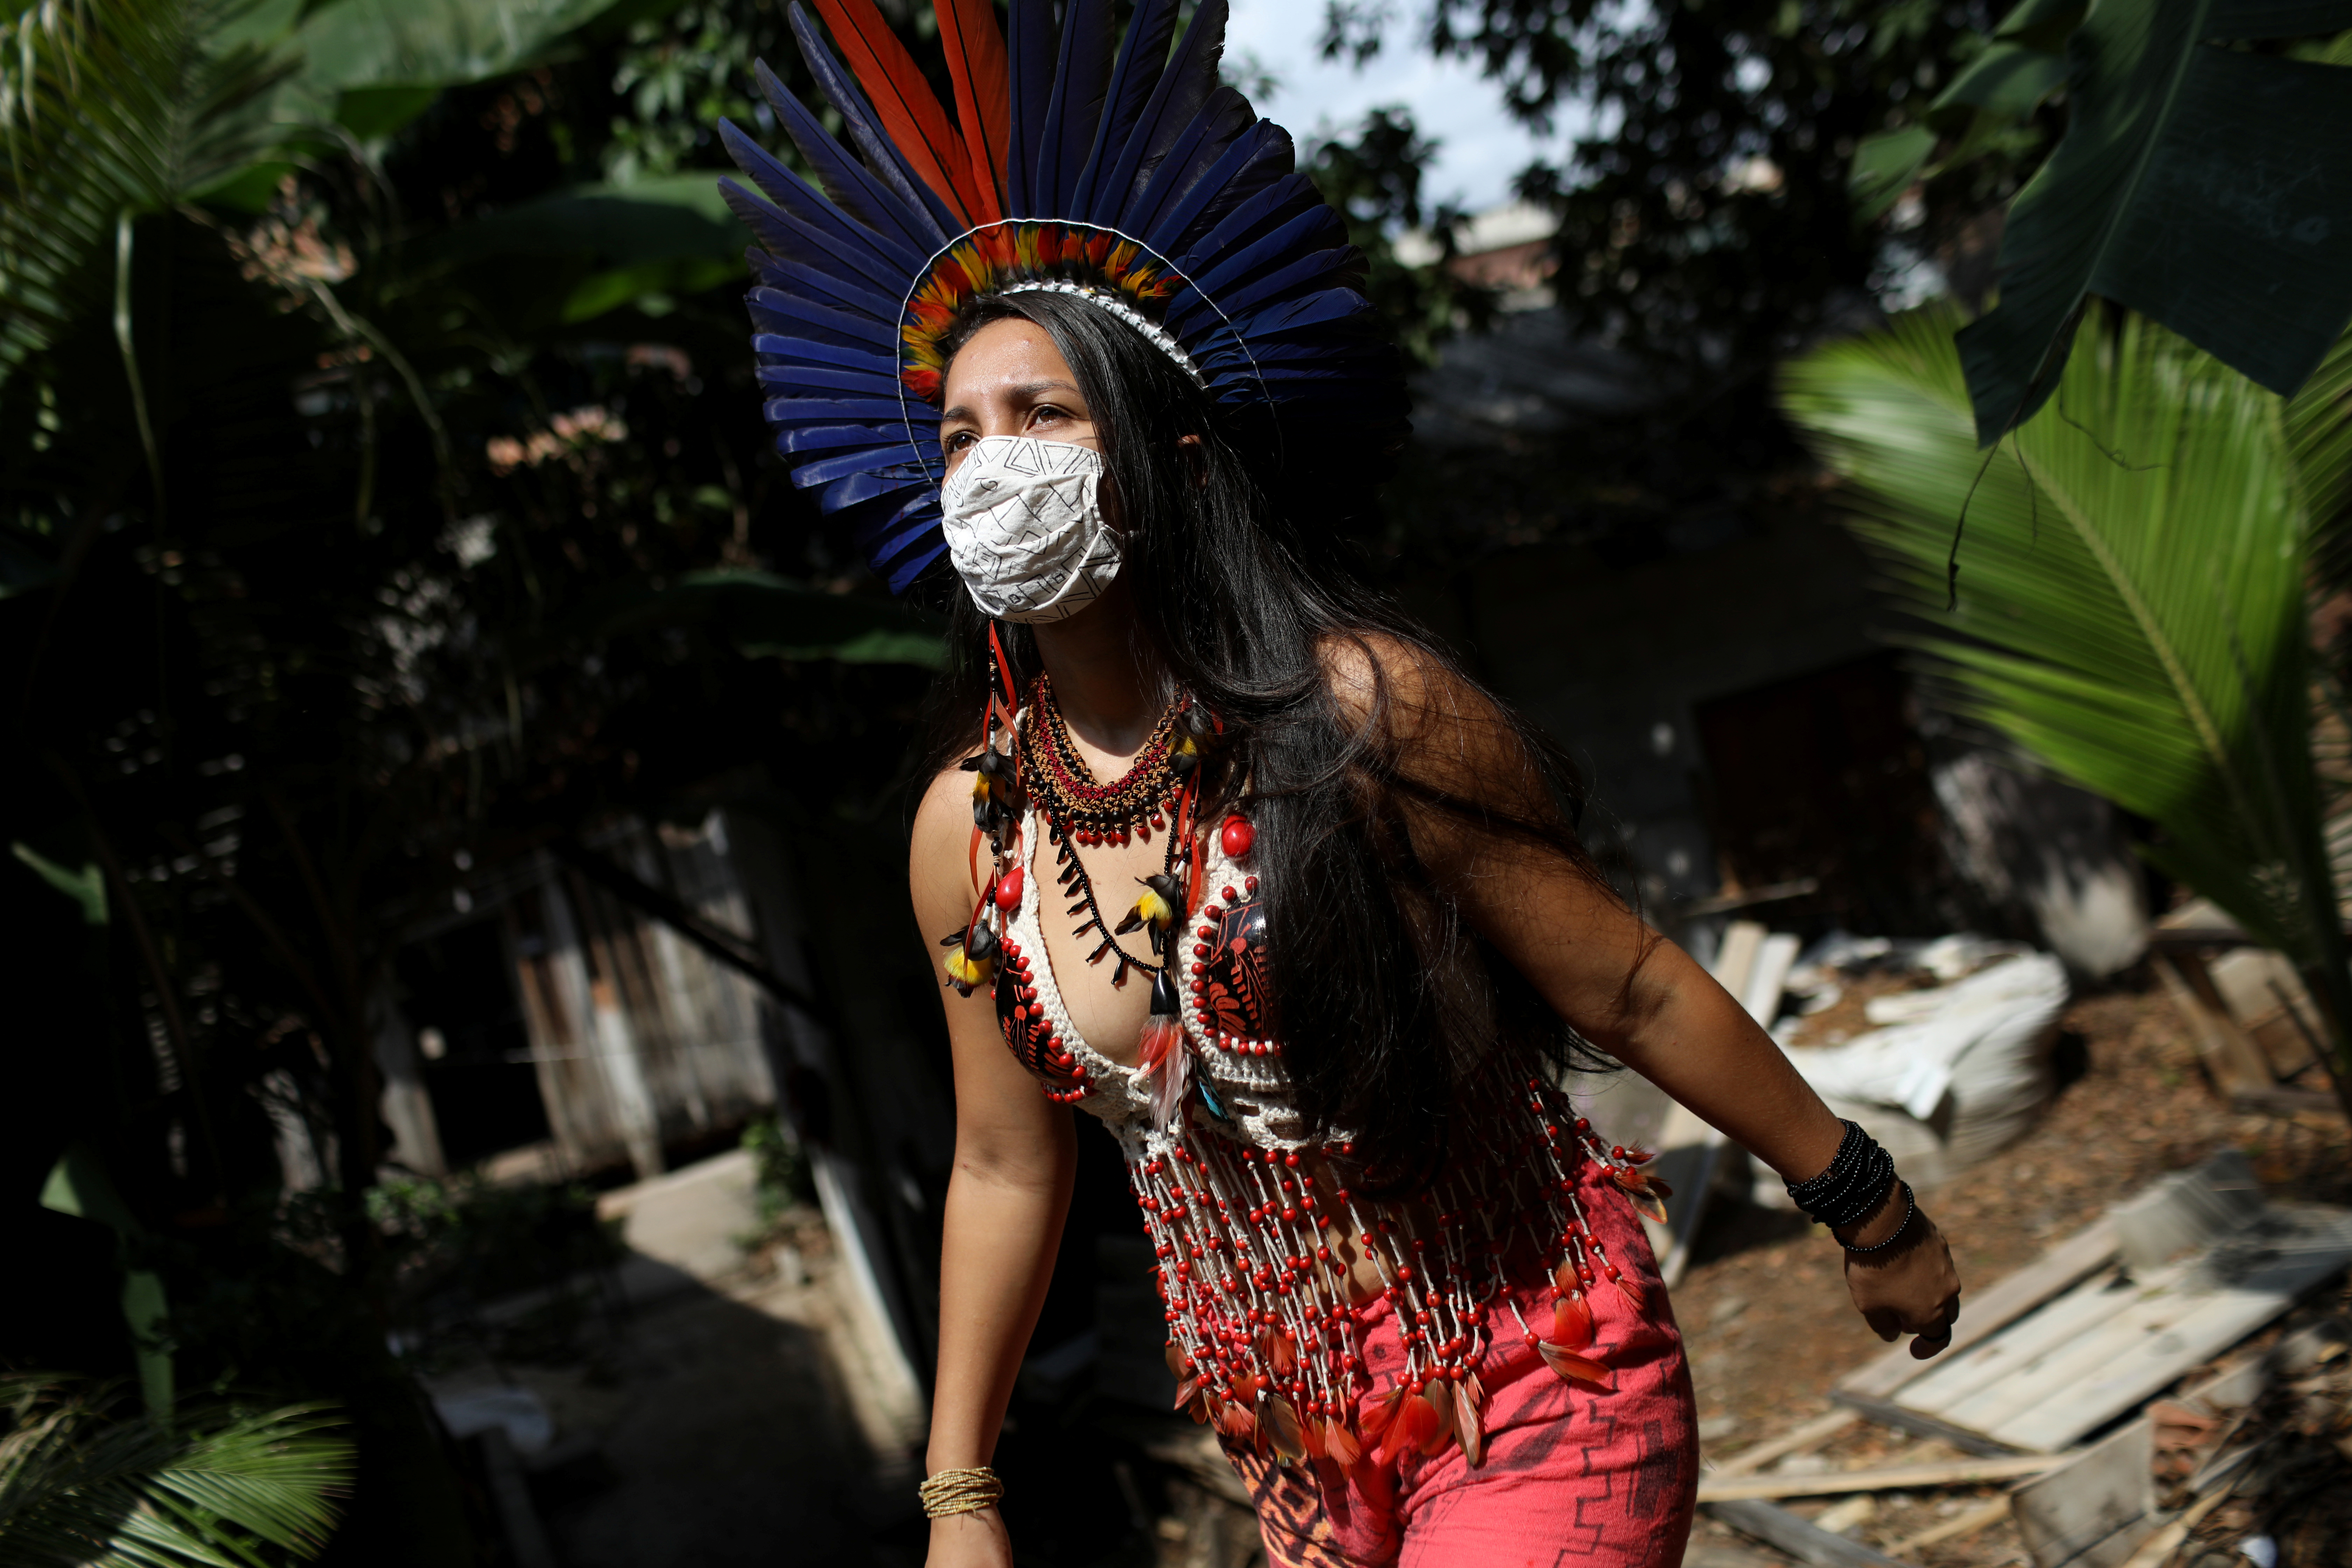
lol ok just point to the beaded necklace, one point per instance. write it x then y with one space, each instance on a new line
1080 811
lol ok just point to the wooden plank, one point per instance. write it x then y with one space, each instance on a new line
2119 1321
1893 1478
1688 1150
2209 1324
1768 977
1984 1516
2157 1549
1888 1413
1981 1316
1804 1439
2234 1061
1735 956
2028 1342
1800 1538
2102 1501
1750 964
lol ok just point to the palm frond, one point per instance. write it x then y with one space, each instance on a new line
79 1487
2319 434
109 106
2130 609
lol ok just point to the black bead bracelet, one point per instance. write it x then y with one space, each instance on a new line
1909 1209
1851 1190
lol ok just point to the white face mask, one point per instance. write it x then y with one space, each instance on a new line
1024 527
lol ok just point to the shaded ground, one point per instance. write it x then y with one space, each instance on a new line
718 1426
1764 1305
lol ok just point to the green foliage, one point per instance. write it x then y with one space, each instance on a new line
1373 177
109 107
785 1179
1703 219
298 623
488 1239
84 1483
681 74
2132 614
2206 186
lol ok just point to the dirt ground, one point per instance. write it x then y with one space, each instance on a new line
1764 1306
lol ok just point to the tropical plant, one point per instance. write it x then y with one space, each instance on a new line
2133 614
86 1484
2204 179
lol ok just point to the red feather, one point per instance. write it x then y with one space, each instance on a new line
1438 1396
1341 1444
909 110
1416 1424
1573 1368
983 94
1376 1415
1571 1321
1280 1425
1469 1406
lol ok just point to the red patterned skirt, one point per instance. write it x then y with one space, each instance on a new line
1572 1474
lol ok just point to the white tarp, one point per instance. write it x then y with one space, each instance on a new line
1960 1071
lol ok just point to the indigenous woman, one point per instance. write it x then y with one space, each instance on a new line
1222 848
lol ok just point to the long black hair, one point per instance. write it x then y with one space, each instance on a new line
1391 1011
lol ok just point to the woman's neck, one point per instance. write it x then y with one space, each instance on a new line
1105 683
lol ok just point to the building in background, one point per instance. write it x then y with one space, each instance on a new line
1694 624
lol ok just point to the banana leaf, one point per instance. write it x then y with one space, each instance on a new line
2207 185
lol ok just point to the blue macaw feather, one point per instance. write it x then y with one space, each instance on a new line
1196 149
802 379
1080 82
853 189
785 346
905 544
1029 51
833 437
799 200
1317 309
1249 222
1184 86
775 310
786 406
785 238
1259 157
1281 232
866 487
881 154
1125 135
1142 57
1314 271
833 292
824 470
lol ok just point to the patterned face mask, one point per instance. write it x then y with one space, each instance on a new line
1024 527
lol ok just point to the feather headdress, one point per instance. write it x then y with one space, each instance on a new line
1117 169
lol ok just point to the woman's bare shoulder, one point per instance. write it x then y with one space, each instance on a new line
1414 691
938 851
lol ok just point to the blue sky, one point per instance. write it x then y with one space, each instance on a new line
1480 147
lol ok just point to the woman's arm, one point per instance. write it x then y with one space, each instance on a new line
1007 1196
1621 986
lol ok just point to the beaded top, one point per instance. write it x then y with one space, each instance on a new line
1253 1229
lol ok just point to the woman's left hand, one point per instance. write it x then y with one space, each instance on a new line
1911 1287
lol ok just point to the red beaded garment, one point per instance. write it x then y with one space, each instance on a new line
1248 1217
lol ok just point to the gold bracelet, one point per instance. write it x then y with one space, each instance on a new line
960 1491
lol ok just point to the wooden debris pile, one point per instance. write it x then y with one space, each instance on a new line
2053 1383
